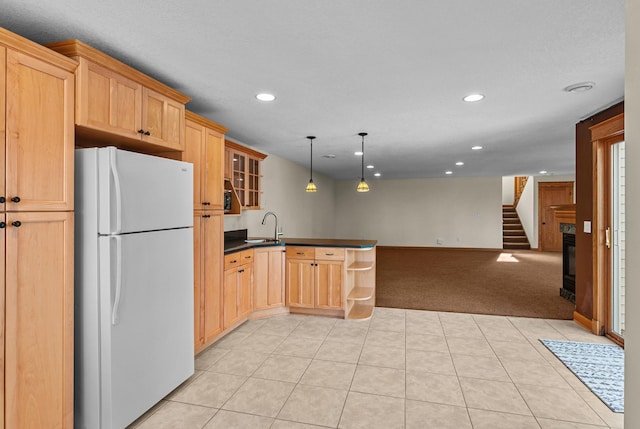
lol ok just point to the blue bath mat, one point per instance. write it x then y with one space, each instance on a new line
599 366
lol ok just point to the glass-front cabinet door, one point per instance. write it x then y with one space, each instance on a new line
253 186
239 162
243 169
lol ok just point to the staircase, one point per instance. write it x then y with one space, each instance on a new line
513 235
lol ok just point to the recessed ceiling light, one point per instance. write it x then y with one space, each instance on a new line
459 163
543 172
473 97
448 172
265 97
377 174
330 156
476 147
370 166
358 153
580 87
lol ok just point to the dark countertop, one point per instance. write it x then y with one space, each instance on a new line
239 245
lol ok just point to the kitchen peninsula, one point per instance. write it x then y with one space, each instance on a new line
315 276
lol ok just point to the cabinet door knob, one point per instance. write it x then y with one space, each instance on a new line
15 199
206 203
240 271
299 253
2 225
16 223
3 200
147 133
140 131
234 261
328 254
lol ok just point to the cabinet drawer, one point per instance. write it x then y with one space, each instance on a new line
238 258
330 253
301 252
232 260
246 257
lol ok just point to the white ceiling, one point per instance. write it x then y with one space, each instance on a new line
395 69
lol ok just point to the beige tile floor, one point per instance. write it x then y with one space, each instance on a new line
402 369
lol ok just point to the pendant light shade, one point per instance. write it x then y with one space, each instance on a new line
362 186
311 187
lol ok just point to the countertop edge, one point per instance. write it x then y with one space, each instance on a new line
310 242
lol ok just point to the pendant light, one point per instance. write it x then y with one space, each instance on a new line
362 186
311 187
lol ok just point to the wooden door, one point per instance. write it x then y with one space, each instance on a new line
194 141
245 292
39 159
3 80
162 120
108 101
551 194
213 248
300 279
39 320
2 315
230 310
328 279
214 170
268 279
198 290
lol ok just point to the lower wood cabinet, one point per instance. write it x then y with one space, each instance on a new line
315 277
208 270
37 320
238 287
268 278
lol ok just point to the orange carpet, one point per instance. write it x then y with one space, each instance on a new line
509 283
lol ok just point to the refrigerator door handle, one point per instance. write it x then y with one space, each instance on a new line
115 317
117 190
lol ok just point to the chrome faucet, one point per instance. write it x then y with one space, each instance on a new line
276 234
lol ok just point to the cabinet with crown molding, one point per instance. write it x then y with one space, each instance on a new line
118 105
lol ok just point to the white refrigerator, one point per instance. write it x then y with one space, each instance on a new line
133 283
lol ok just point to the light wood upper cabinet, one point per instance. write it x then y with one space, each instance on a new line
38 361
118 105
204 147
108 101
39 134
162 120
268 279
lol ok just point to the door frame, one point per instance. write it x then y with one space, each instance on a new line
603 135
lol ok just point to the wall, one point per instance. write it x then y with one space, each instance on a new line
301 214
508 193
460 212
632 139
584 209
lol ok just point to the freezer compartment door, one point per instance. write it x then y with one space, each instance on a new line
146 308
140 192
